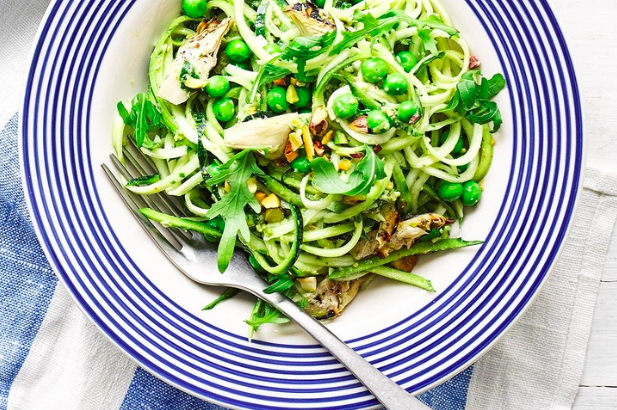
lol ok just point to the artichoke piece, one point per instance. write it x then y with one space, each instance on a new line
331 297
386 239
310 19
269 134
193 62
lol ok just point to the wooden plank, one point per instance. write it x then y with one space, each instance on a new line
596 398
601 360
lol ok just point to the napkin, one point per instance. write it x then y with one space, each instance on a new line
52 357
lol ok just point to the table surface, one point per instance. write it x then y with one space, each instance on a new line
590 30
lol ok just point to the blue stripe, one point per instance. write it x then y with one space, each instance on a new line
27 283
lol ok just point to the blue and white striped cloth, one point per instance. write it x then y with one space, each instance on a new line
52 357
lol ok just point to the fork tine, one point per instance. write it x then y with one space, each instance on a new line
166 206
144 164
165 243
146 201
172 204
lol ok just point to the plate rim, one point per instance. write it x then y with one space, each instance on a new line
579 179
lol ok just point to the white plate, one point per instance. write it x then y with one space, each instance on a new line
91 55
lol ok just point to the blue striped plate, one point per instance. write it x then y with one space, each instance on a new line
91 54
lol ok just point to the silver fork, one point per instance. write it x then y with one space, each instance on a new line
196 258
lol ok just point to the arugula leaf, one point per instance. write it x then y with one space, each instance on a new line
267 74
279 284
429 43
496 84
143 118
232 206
261 314
302 49
468 93
368 170
144 180
373 27
473 99
432 58
228 294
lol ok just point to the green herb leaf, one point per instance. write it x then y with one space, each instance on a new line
429 43
144 180
468 93
368 170
267 74
496 84
372 28
264 313
143 117
232 205
228 294
473 99
375 27
302 49
279 284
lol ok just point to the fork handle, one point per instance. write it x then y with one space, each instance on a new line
390 394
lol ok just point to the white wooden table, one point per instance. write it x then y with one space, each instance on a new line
590 27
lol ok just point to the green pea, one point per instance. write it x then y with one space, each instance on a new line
320 3
194 8
217 86
450 191
378 122
217 223
458 148
345 106
395 84
407 110
237 50
471 193
224 109
407 59
255 265
273 48
301 164
374 70
277 100
304 97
